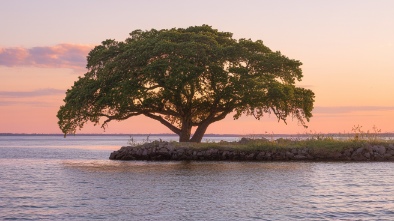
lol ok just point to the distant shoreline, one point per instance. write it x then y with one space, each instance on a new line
339 135
93 134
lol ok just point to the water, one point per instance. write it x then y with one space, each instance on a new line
49 178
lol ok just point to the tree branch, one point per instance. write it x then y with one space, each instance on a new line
164 122
114 117
220 116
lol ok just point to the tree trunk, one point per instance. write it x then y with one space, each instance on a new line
184 136
198 135
186 131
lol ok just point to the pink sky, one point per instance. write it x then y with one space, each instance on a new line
347 48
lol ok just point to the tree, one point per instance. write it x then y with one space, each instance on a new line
185 78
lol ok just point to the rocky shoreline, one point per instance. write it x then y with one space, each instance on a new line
167 151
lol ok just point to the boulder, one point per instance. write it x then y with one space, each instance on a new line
379 149
358 154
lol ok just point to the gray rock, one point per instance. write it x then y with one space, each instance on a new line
390 151
212 152
359 150
162 151
289 155
250 156
379 157
167 151
294 151
303 151
170 148
358 154
381 150
260 156
347 153
180 150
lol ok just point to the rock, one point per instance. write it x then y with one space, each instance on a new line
113 155
381 150
390 158
250 156
294 151
289 155
378 157
212 152
168 151
358 154
260 156
359 150
170 148
348 152
303 151
162 150
368 147
225 154
391 152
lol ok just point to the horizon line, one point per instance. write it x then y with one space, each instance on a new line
208 134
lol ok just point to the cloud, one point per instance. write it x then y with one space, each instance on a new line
28 103
34 93
72 56
350 109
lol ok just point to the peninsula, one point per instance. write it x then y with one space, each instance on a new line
261 150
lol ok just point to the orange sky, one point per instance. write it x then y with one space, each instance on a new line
347 50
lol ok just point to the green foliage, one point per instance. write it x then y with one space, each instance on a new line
185 78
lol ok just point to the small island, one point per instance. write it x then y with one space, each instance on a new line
247 149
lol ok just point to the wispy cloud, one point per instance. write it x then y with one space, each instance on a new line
33 93
350 109
71 56
28 103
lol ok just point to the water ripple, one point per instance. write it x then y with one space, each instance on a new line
88 189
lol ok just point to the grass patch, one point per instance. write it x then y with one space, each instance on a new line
326 145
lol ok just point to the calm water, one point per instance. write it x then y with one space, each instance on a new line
51 178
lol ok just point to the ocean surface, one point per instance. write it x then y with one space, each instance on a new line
52 178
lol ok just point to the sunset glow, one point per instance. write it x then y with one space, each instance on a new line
346 47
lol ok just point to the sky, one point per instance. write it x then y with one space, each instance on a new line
346 47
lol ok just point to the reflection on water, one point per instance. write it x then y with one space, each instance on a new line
82 184
175 167
90 189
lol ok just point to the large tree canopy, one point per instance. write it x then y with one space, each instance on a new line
185 78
